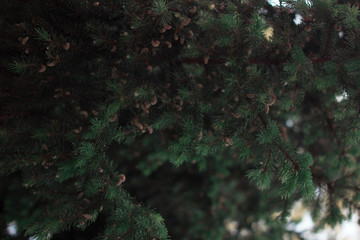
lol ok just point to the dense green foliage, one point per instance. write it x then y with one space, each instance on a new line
158 119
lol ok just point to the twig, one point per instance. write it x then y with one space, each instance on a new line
288 157
267 162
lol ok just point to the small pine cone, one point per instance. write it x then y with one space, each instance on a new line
150 129
154 101
42 69
272 99
250 95
155 43
206 59
24 40
113 118
66 46
182 40
185 22
80 195
139 125
267 108
167 26
191 34
85 114
87 216
122 179
169 45
51 64
192 10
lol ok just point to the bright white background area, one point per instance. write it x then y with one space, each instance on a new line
348 230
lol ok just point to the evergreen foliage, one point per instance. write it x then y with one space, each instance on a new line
163 119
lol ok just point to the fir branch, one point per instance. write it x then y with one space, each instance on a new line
89 162
288 157
286 154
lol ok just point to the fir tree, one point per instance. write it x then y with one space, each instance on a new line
162 119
